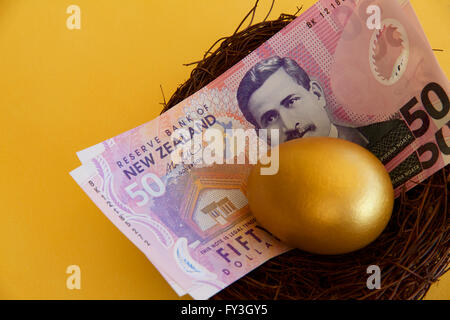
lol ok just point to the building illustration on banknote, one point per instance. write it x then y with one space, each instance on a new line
202 204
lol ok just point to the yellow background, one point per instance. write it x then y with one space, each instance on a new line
63 90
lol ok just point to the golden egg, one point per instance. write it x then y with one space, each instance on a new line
330 196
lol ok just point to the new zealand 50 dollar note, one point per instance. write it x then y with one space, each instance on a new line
358 70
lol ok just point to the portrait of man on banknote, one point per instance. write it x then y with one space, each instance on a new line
276 93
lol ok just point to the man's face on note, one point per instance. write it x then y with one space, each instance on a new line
281 103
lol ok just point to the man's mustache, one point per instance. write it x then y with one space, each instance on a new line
299 132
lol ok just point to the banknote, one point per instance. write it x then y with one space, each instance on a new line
334 71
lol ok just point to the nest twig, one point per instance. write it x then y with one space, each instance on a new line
412 252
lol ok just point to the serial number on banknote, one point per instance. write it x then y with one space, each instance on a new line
325 12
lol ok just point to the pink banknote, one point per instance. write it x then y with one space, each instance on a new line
334 71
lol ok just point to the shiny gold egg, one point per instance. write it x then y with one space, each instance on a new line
330 196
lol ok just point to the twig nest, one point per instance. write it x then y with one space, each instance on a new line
412 252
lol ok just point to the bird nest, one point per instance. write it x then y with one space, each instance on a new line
412 252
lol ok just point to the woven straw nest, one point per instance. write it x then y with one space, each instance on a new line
412 252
